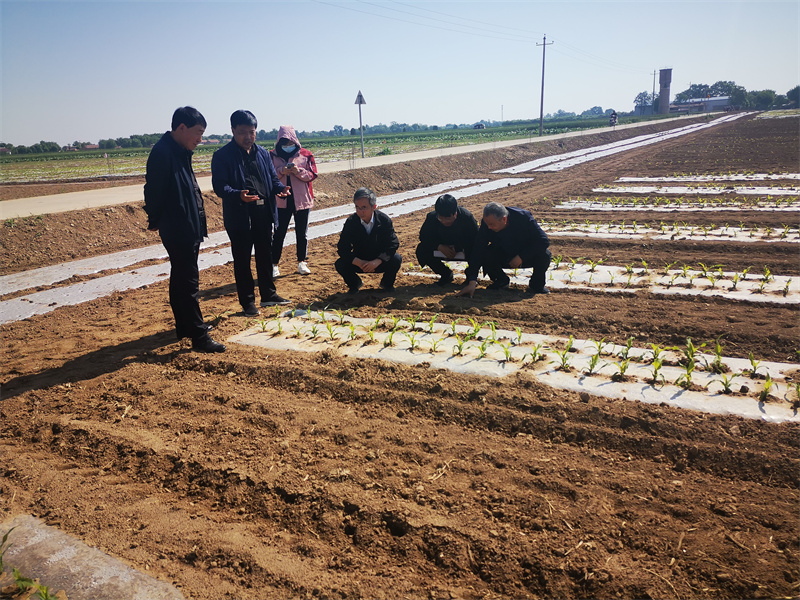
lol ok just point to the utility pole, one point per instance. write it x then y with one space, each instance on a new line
544 45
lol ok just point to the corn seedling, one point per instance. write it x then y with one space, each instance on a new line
716 365
296 329
767 274
644 267
593 364
377 322
458 348
314 331
3 546
726 382
413 342
215 318
685 379
484 347
625 352
476 328
414 321
563 356
629 270
671 282
685 271
536 353
622 368
493 326
594 264
331 330
768 385
352 334
658 352
453 326
263 324
745 272
395 321
388 340
735 281
435 344
786 287
668 266
279 326
760 287
599 345
518 331
431 322
691 351
506 348
658 362
755 365
341 315
371 334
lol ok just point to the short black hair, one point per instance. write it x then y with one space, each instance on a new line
446 205
187 115
364 192
243 117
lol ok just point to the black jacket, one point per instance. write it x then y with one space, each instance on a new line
228 180
461 234
381 242
169 193
521 237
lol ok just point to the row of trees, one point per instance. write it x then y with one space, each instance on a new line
135 141
739 96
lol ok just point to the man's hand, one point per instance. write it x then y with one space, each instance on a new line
290 170
516 262
468 290
448 251
368 266
246 197
287 190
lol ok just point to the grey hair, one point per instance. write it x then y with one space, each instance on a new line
496 210
364 192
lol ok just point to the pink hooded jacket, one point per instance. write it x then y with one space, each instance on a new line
304 161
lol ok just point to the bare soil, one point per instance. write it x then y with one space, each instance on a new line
272 474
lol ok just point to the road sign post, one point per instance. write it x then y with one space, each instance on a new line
360 100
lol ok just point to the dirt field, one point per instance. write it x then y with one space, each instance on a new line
270 474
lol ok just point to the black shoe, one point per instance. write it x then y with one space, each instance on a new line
386 287
500 284
353 289
274 300
250 310
534 291
445 279
206 344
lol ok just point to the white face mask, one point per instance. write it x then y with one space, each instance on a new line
288 148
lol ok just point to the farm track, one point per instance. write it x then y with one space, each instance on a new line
280 474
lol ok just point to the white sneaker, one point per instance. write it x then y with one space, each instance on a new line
302 268
276 272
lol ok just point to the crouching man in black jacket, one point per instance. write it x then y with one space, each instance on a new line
448 232
368 244
508 238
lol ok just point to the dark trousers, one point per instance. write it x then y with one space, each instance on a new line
242 243
496 261
184 289
425 257
300 231
349 272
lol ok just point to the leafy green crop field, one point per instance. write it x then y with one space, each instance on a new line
95 164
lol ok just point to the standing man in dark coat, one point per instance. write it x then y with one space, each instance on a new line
368 244
508 238
174 207
243 176
448 232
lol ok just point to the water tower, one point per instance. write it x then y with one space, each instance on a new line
664 78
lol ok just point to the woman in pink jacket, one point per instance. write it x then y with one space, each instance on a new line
296 168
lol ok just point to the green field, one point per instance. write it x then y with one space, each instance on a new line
125 162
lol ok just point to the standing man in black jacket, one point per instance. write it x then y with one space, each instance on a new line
368 244
174 207
244 177
448 232
508 238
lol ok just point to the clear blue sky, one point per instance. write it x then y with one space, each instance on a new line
83 71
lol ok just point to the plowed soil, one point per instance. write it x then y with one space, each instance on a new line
268 474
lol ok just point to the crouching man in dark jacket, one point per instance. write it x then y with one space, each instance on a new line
508 238
368 244
448 233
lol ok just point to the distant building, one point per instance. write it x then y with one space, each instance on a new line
479 126
701 105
